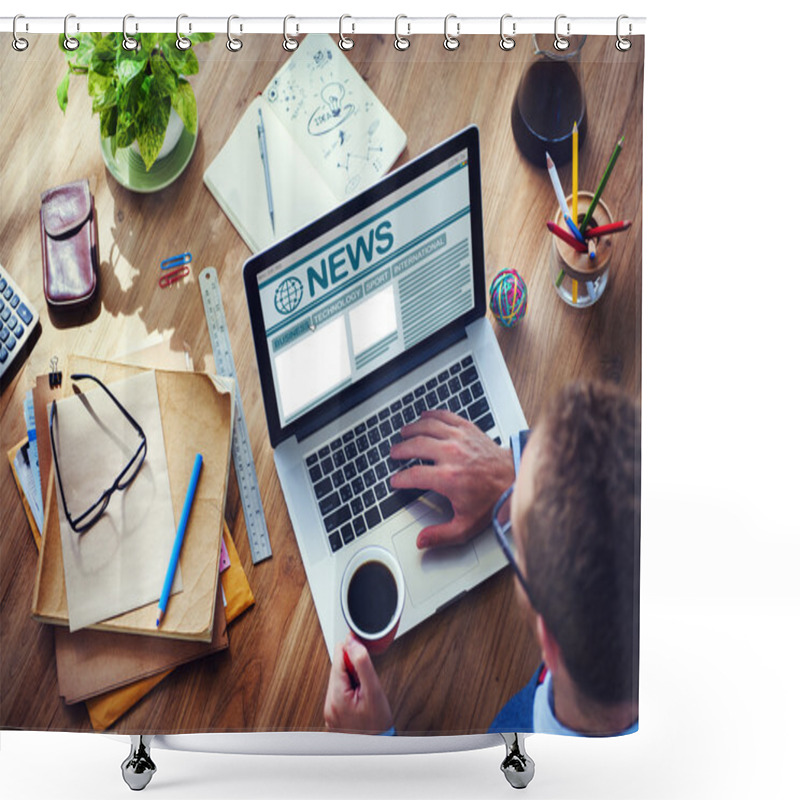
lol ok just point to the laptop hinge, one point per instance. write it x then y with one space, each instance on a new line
372 384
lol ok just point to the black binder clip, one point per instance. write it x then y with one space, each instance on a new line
55 375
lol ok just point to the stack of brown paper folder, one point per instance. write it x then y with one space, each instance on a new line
108 668
197 417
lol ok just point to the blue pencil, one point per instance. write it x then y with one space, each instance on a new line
176 547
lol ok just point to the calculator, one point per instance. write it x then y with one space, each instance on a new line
18 318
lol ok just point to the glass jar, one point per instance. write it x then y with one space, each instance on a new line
549 100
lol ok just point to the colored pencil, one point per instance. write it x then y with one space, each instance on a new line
592 249
603 182
612 227
563 235
575 291
562 201
575 172
178 543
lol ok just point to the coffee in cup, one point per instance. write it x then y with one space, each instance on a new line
373 595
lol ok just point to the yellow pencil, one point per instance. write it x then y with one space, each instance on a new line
575 172
574 291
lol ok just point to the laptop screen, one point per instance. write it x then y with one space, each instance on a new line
381 277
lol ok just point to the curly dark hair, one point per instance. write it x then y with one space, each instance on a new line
582 538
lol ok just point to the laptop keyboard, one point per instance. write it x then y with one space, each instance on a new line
350 474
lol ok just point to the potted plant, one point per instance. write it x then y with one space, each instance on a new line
135 92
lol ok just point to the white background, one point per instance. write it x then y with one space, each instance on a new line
720 551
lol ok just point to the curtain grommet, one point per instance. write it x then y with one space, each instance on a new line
623 44
560 42
451 42
401 42
289 44
181 42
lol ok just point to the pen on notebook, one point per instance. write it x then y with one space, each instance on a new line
176 547
603 182
562 201
262 143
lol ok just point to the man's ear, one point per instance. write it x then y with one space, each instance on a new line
551 652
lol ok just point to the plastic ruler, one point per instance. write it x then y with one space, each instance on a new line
243 462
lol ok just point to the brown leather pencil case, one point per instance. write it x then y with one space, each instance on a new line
69 244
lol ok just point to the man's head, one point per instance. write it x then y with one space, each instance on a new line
575 518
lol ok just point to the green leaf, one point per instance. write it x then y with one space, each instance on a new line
165 81
108 122
129 64
151 125
126 132
104 57
79 59
151 42
103 92
62 91
196 38
185 105
130 96
184 62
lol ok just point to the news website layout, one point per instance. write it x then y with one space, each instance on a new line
369 289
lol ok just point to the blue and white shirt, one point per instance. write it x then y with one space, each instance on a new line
531 710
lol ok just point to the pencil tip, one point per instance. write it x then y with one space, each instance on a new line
549 160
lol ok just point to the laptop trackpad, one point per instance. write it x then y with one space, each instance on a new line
427 572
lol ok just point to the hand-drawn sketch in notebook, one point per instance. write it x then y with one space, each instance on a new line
326 137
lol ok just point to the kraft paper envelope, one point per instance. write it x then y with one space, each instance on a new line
90 663
197 416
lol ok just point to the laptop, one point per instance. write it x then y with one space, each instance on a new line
361 321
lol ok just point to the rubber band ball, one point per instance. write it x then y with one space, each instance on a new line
508 297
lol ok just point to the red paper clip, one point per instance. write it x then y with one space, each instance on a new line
169 278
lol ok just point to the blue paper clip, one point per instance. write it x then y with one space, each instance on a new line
169 278
176 261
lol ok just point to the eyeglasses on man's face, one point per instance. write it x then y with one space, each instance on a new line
501 522
86 519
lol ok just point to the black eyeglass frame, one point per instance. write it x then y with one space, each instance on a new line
502 531
95 511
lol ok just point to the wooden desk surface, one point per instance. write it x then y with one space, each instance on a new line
448 675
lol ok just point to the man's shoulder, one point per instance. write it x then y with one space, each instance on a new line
517 714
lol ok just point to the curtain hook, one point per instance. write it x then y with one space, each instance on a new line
70 42
507 42
289 43
451 42
18 43
345 42
182 43
623 44
233 43
128 43
560 43
401 42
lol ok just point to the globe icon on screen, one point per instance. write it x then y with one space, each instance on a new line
288 295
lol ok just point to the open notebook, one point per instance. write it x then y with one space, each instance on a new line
327 137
